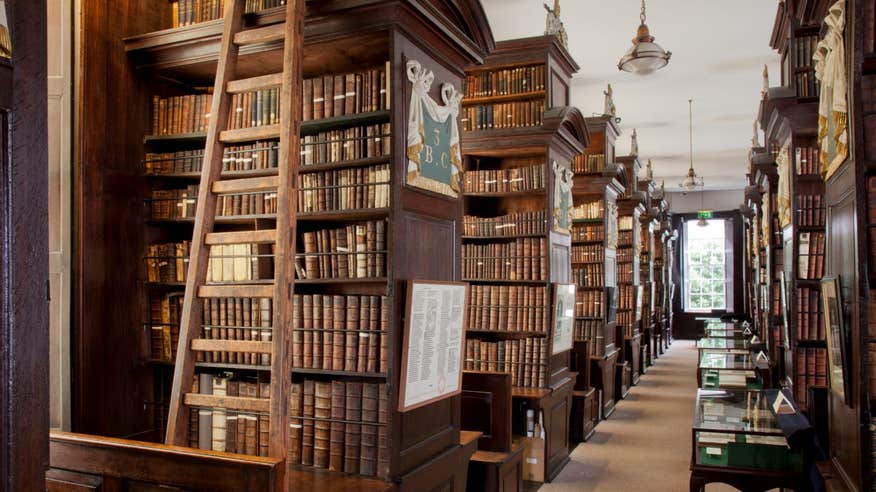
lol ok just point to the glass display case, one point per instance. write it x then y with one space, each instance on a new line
723 370
727 345
737 429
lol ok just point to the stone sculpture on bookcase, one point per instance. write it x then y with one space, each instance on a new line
611 227
833 111
562 197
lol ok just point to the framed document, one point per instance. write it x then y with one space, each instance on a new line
835 328
563 318
640 293
432 344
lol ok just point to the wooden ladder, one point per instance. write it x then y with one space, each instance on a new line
284 184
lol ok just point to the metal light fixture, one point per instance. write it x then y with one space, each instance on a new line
645 56
691 182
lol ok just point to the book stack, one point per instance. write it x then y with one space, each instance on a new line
254 108
167 262
259 155
626 305
624 267
589 210
810 211
358 142
807 84
589 275
514 224
811 370
521 358
164 316
588 164
588 304
236 318
522 259
505 180
219 429
808 163
591 330
354 251
344 189
625 228
503 115
339 426
340 333
503 82
508 308
332 96
239 263
181 114
188 12
803 49
810 316
810 262
588 232
180 204
588 253
625 255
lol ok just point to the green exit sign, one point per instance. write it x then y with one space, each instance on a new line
704 214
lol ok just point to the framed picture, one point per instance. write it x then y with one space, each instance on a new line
835 329
563 318
432 344
786 340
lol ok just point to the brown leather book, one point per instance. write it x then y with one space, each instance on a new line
321 426
307 99
307 427
352 432
337 428
317 334
383 432
296 394
307 323
375 338
384 333
327 325
297 334
368 453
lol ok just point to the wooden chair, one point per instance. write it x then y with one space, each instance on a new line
497 465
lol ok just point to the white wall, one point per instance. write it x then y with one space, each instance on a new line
717 201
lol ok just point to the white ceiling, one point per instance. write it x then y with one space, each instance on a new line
718 49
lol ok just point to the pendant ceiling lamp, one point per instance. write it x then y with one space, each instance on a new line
691 182
645 56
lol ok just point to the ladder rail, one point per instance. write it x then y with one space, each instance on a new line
184 370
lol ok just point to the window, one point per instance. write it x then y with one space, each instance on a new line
705 266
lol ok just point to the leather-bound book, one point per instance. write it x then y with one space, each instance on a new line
327 325
368 453
375 338
351 325
339 315
296 394
317 334
307 323
383 432
307 427
205 415
220 388
352 431
336 434
264 436
232 389
321 428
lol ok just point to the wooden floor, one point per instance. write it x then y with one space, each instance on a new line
645 444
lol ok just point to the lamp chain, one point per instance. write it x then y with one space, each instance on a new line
690 126
642 15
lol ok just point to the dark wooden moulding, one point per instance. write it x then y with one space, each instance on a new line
128 55
563 135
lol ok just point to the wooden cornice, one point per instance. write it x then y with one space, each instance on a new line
605 124
569 123
563 129
528 50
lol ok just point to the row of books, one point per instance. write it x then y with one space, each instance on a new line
358 142
589 210
810 261
164 319
345 189
803 49
505 180
340 426
219 429
503 115
236 318
626 298
625 254
522 259
169 262
352 251
588 164
508 308
523 359
589 330
625 271
346 94
181 114
588 253
530 222
254 108
505 81
807 84
588 232
807 162
188 12
340 333
625 320
589 275
589 304
810 315
811 370
181 203
259 155
625 229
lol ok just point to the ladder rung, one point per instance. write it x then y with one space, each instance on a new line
246 185
238 290
266 236
259 405
255 83
274 32
250 134
245 346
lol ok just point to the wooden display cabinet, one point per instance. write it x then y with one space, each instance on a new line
597 187
510 200
425 450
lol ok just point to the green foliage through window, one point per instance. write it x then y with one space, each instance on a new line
704 287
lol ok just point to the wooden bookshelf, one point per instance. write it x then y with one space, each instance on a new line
345 37
630 206
646 270
596 196
513 248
